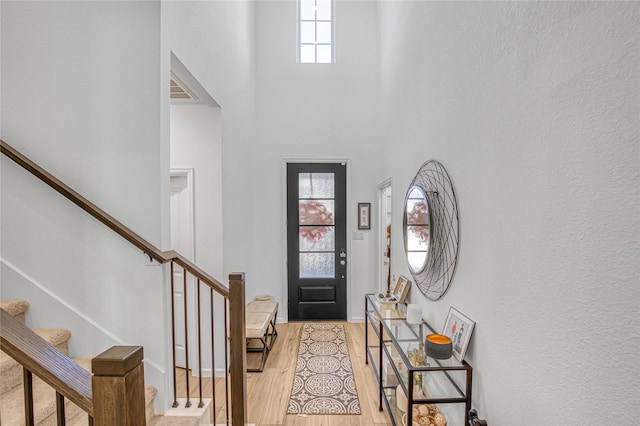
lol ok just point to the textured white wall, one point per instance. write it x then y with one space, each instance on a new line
85 93
309 111
215 41
196 143
77 91
80 94
533 108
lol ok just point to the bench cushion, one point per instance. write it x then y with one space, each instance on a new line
263 306
256 324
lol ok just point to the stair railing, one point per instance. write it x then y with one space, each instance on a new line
56 369
234 299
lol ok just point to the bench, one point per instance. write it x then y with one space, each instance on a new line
260 329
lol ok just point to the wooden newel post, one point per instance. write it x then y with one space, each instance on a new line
238 350
118 387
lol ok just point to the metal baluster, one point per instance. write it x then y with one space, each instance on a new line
60 409
173 340
186 337
226 360
213 359
200 404
28 397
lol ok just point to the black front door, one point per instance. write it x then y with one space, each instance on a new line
316 241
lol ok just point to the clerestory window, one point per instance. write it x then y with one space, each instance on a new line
315 32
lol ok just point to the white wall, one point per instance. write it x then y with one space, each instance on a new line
309 111
85 93
215 41
80 95
71 71
196 144
533 109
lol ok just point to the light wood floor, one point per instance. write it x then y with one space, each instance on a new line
268 391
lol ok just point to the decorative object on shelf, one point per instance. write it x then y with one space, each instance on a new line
416 357
401 289
364 215
458 327
262 297
427 414
414 314
432 229
387 299
389 312
401 397
438 346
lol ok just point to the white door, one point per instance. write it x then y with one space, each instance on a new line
183 241
384 239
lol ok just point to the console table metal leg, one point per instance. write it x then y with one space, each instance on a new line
380 365
366 330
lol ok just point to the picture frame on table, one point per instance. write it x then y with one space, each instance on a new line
459 328
401 288
364 215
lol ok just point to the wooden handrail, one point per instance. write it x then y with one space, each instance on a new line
60 371
117 227
46 361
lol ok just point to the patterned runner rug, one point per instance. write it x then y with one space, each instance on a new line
323 383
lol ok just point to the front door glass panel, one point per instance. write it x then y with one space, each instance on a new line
316 225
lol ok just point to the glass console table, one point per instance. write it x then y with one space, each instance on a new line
411 382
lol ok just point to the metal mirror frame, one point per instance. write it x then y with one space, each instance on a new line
436 276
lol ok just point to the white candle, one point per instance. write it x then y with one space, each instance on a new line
401 399
414 313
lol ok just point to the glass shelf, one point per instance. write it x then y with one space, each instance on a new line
408 379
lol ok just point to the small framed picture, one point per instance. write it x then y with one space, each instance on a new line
364 215
458 327
401 289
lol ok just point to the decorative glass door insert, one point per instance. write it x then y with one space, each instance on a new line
316 225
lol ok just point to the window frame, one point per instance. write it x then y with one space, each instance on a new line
300 44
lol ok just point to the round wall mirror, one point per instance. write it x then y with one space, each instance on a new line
417 225
431 229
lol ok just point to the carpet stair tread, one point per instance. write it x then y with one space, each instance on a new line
16 308
12 394
11 371
12 404
55 336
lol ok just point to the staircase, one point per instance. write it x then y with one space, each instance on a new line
12 411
